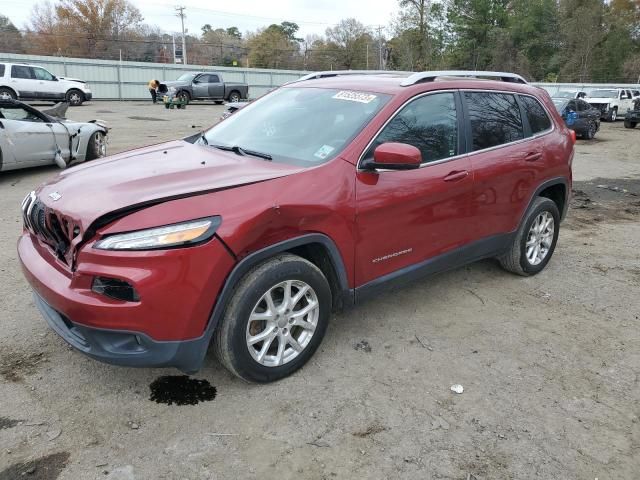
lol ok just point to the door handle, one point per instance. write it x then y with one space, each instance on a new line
533 156
456 175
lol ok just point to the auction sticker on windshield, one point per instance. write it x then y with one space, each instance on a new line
354 96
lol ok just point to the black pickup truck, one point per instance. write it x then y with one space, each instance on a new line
204 86
632 117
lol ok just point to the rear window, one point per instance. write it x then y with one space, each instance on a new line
536 115
495 119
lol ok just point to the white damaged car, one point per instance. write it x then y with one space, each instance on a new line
29 138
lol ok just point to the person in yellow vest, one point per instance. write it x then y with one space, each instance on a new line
153 89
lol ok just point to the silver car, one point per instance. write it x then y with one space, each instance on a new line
29 138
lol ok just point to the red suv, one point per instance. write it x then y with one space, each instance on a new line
323 192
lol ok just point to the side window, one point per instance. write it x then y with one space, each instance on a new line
42 74
536 114
495 119
1 69
429 123
18 113
214 79
21 71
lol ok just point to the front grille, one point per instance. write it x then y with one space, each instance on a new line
48 226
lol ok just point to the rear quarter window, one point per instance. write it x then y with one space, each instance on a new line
495 119
1 69
537 116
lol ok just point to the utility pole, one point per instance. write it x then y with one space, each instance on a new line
367 55
180 13
380 45
173 37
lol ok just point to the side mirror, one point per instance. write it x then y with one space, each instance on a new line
394 156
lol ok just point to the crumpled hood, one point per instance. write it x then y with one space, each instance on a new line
151 175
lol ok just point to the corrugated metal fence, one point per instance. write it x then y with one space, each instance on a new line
113 80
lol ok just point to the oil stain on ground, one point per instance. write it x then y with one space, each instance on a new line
181 390
44 468
8 423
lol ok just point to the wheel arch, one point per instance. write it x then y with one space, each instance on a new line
556 189
235 90
317 248
5 87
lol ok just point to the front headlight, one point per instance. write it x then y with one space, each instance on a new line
177 235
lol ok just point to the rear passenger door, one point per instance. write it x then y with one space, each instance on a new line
23 80
216 87
405 217
507 161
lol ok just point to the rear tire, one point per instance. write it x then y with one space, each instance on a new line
7 94
518 259
250 314
234 97
75 98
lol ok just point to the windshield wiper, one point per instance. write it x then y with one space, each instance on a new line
241 151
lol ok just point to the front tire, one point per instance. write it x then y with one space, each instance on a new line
275 320
97 146
613 115
630 124
535 240
591 130
75 98
184 96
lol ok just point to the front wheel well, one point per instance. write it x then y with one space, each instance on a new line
557 193
318 254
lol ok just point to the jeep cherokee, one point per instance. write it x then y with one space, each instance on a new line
326 191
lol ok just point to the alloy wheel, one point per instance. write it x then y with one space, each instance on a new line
100 144
282 323
540 238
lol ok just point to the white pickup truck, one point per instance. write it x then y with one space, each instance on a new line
612 102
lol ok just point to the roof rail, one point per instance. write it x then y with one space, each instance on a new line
422 77
339 73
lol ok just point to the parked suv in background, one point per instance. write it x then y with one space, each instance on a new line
205 86
318 195
611 102
19 81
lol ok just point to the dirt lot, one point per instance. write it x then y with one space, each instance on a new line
550 365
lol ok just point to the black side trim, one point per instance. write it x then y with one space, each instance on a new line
485 248
545 185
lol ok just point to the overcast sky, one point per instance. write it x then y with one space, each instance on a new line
313 16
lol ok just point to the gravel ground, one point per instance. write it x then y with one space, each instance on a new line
549 364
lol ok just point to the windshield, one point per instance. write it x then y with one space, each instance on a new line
565 94
603 93
186 77
300 126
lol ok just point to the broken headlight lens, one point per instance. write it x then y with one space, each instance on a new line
169 236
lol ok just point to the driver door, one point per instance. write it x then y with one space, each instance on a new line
201 86
31 137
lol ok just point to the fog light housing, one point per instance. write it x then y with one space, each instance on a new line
115 288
